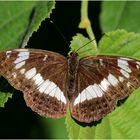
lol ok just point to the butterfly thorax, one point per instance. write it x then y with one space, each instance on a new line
72 71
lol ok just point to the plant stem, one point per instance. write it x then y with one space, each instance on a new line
85 22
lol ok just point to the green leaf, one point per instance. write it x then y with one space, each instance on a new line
21 19
120 42
42 10
120 14
123 122
75 131
79 41
4 98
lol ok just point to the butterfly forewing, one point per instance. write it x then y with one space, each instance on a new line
39 75
102 81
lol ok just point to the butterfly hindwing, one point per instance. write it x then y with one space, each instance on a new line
39 75
102 81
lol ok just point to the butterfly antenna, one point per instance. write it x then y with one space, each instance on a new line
59 31
85 45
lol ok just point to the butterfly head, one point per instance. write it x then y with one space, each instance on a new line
73 54
73 58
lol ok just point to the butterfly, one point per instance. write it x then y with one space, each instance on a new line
51 83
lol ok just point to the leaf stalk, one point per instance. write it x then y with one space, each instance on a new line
85 22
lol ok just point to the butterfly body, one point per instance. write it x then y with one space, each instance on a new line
72 73
51 83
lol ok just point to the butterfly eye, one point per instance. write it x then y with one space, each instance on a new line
71 53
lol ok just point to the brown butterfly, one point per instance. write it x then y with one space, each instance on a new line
51 83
